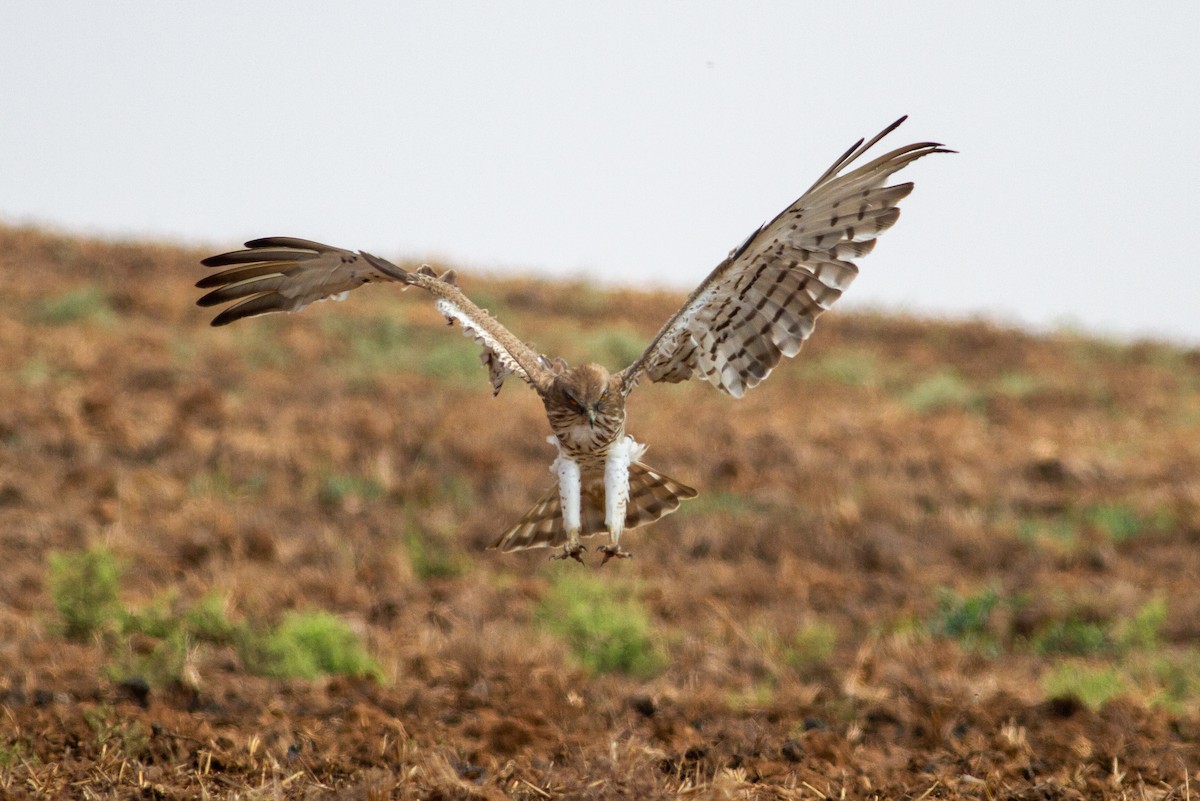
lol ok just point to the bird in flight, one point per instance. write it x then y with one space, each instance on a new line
759 304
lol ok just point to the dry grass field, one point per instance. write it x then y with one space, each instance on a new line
929 560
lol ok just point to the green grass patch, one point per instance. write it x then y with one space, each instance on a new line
854 368
313 643
172 635
1091 685
164 636
1095 658
614 347
339 490
219 482
605 627
1073 636
261 348
1122 523
1173 679
1153 675
1076 636
492 302
758 695
155 619
84 587
1115 522
805 650
113 729
1143 630
379 346
36 372
154 641
16 752
375 345
722 502
456 491
983 621
1059 532
162 664
966 618
456 359
811 646
430 557
87 304
208 620
939 392
1019 386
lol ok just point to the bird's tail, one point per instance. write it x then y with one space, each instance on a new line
651 496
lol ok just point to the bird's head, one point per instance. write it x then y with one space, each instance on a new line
587 393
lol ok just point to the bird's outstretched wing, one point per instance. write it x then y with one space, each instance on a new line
284 274
762 301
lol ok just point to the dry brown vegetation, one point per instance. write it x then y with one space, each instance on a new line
929 559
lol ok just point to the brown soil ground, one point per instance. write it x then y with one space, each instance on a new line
850 507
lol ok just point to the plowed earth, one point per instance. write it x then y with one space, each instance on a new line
894 466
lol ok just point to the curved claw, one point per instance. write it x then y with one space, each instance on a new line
613 551
570 551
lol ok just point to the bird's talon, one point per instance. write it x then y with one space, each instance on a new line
611 551
571 552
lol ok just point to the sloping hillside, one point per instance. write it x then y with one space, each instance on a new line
927 558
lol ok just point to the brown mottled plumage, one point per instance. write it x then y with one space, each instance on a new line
587 412
758 305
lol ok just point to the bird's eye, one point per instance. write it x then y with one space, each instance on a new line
603 396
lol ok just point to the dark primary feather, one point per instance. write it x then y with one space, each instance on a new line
280 274
239 274
286 274
260 254
761 303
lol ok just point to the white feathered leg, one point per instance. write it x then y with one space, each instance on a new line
616 493
569 491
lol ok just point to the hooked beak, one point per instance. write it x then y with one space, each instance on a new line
591 413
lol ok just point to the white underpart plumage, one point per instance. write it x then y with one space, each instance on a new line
616 483
569 489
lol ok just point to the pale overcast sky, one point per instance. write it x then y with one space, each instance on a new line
631 142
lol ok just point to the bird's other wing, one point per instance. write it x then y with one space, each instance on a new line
285 274
762 301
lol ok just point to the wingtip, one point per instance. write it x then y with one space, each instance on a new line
261 242
385 266
891 127
287 242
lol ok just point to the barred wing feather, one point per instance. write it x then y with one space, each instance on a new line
762 302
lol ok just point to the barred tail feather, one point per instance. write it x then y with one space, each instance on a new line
651 496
